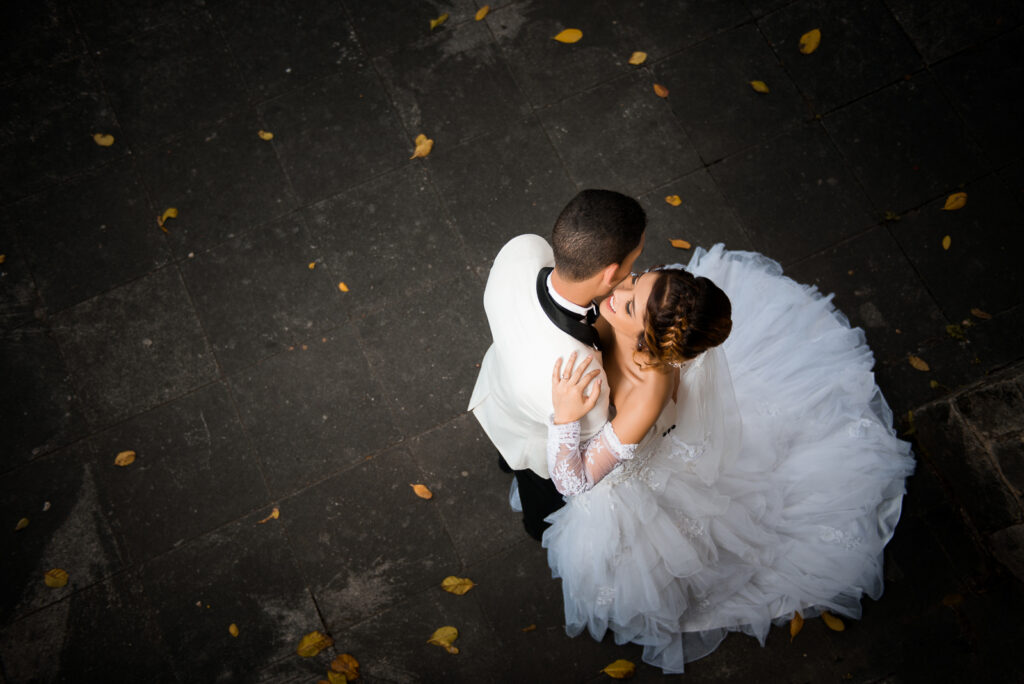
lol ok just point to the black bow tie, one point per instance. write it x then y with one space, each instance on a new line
567 321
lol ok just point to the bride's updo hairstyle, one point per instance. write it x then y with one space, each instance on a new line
685 316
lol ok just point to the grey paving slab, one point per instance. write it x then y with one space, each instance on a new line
319 42
980 268
390 25
998 341
710 92
500 186
453 85
862 49
168 80
313 410
110 21
294 670
336 132
662 27
939 30
547 70
242 574
889 139
89 235
424 350
620 135
1013 176
759 8
134 347
39 405
50 116
194 471
101 634
222 178
794 194
19 299
256 294
69 527
977 83
385 238
460 465
38 34
365 541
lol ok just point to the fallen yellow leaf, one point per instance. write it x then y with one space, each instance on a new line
934 384
795 625
832 622
680 244
168 214
22 524
918 363
124 458
443 637
265 135
434 23
569 35
528 628
336 678
422 491
103 139
55 578
760 86
312 265
674 200
347 665
343 287
978 313
638 58
274 515
313 643
457 585
946 242
620 669
660 90
955 201
809 41
3 258
233 629
482 12
423 146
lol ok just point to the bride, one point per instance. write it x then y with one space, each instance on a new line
749 470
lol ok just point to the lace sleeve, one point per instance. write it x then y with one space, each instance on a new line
575 467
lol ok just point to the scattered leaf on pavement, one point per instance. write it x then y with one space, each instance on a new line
760 86
955 201
978 313
336 678
422 491
265 135
620 669
680 244
482 12
313 643
22 524
934 384
56 578
674 200
832 622
457 585
660 90
125 458
168 214
103 139
347 665
423 146
233 629
569 35
809 41
795 625
638 58
946 242
443 637
274 515
528 628
918 363
312 265
3 258
343 287
434 23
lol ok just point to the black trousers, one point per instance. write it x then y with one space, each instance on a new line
539 498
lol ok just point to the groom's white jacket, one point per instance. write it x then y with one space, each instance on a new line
512 396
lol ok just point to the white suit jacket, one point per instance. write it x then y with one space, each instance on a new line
512 396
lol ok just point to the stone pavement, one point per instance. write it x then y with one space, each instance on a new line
246 381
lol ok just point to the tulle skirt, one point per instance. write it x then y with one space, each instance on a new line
673 559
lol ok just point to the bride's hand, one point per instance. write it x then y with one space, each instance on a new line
567 388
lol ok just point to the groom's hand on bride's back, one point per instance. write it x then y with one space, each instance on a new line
568 389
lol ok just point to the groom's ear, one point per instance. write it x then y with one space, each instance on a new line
608 275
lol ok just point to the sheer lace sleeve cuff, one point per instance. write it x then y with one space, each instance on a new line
564 463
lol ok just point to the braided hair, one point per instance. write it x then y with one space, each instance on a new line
685 316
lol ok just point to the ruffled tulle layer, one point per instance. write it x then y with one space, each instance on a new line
673 558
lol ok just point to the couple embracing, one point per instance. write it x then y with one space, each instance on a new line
700 449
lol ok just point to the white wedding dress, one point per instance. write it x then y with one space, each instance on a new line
775 491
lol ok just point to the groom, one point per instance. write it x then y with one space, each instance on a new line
540 306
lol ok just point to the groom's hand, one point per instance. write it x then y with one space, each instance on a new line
567 387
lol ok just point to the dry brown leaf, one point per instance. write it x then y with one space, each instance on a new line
233 629
528 628
168 214
946 242
638 58
978 313
918 363
680 244
265 135
56 578
482 12
955 201
347 665
660 90
423 146
336 678
313 643
674 200
422 491
809 41
760 86
3 258
274 515
569 35
103 139
457 585
22 524
620 669
795 625
343 287
125 458
434 23
934 384
832 622
443 637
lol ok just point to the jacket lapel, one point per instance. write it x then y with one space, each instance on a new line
586 334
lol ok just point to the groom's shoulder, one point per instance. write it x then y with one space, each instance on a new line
525 250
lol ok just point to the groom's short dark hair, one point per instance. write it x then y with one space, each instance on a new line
596 228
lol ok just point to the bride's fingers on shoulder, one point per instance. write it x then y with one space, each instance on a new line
556 374
590 377
592 398
582 367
